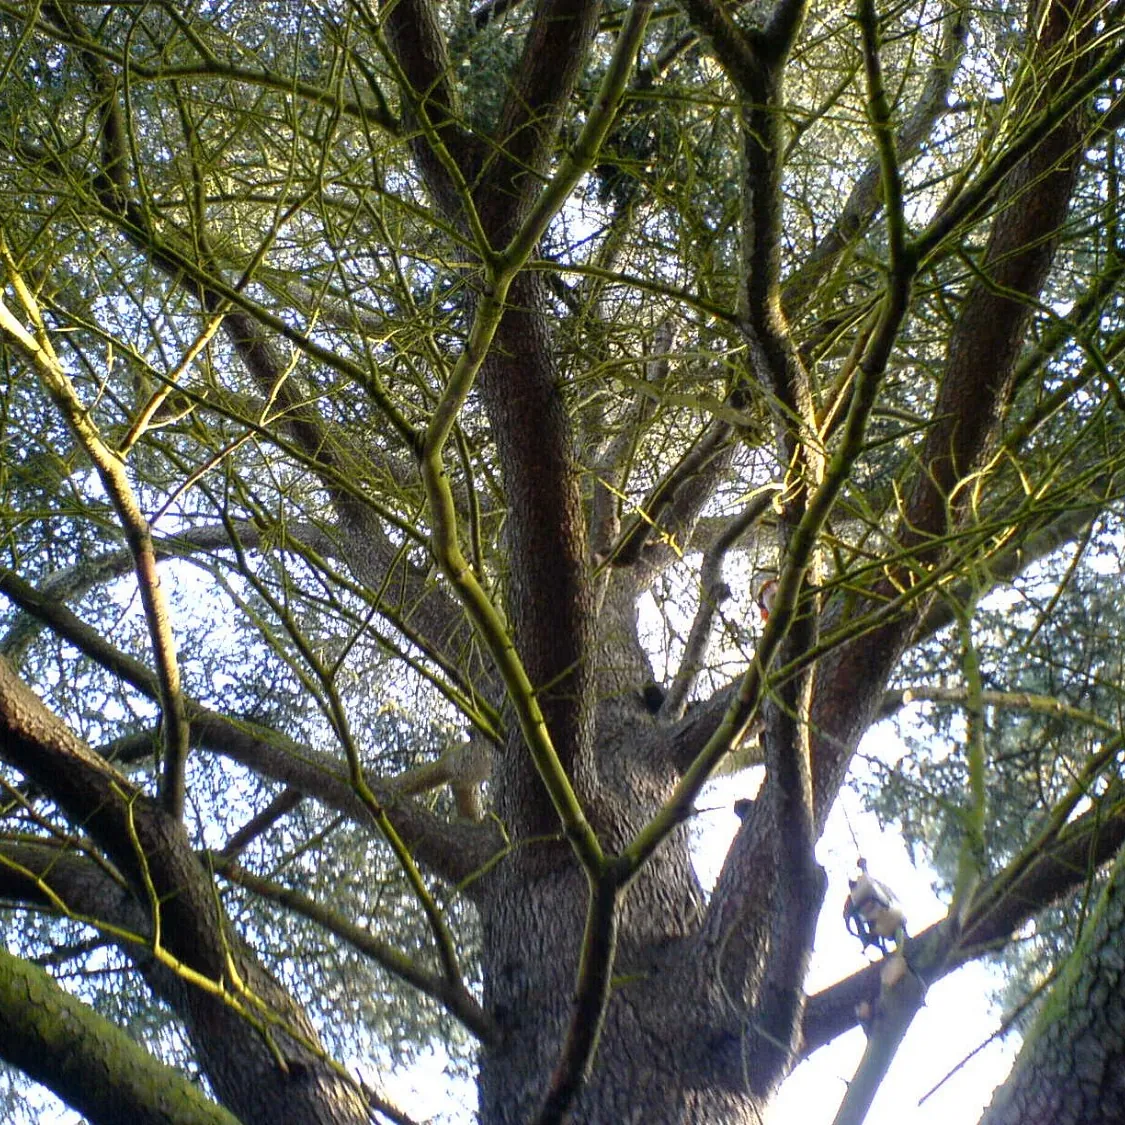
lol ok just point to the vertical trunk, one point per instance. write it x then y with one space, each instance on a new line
671 1049
548 599
661 1059
1071 1070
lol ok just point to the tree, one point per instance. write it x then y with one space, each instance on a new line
367 368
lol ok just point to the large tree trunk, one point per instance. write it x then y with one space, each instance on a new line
662 1056
703 1014
1071 1070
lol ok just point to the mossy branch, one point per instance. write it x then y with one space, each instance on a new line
89 1062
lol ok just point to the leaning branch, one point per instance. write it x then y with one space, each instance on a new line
95 1066
1066 95
591 995
37 349
554 52
710 444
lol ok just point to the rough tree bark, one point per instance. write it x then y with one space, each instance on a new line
1070 1070
693 1034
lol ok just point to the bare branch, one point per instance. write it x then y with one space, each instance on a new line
706 453
283 804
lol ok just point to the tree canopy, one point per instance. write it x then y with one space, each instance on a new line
403 408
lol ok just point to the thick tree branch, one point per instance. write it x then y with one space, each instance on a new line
704 454
787 799
893 1012
1092 839
447 154
735 48
92 1065
490 10
994 317
454 851
547 671
1065 83
770 889
554 52
191 936
259 824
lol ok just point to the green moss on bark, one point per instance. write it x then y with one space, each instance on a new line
91 1064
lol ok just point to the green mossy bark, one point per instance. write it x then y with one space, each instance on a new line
91 1064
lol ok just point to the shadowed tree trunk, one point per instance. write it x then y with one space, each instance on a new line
1070 1067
